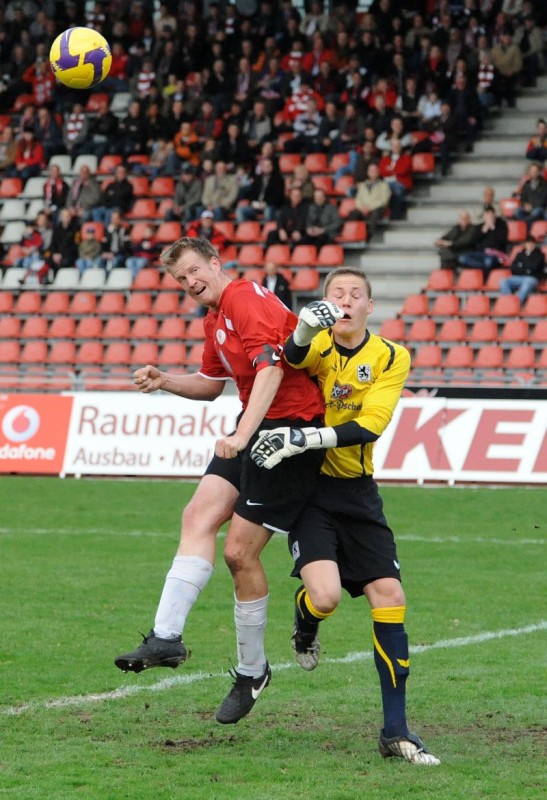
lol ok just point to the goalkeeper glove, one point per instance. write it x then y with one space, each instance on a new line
273 446
313 318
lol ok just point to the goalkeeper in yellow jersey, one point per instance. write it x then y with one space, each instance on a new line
342 538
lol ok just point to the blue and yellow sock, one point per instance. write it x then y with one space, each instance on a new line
392 663
308 616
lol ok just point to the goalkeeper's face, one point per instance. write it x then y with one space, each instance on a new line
350 293
200 277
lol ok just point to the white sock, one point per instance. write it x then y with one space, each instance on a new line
250 619
184 581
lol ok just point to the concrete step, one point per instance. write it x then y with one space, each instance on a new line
435 214
395 289
488 169
412 237
496 147
533 103
384 260
517 123
383 309
468 192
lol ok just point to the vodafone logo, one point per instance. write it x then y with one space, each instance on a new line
21 423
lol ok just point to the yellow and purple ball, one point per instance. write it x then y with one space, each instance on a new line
80 58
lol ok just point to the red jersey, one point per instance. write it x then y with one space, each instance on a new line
246 334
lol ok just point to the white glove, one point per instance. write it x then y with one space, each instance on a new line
313 318
274 445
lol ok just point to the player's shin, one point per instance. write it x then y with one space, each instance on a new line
183 584
392 663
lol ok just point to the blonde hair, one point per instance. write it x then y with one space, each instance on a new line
202 247
337 273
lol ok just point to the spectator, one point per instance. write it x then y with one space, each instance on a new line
234 149
29 155
396 170
508 62
265 196
352 126
536 149
301 179
117 77
372 199
102 133
488 251
488 199
276 282
444 135
529 39
323 223
8 150
84 194
207 124
116 243
48 132
42 82
132 132
205 228
75 130
220 191
257 128
187 145
466 110
460 237
64 241
31 260
144 251
90 249
527 271
306 127
55 192
329 129
188 191
407 104
486 78
429 108
117 194
533 196
291 221
396 132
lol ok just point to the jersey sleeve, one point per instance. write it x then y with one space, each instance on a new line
262 323
211 365
311 357
384 394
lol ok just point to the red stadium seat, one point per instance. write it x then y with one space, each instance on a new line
111 303
494 279
423 164
34 328
539 334
535 306
422 330
469 280
34 352
304 255
516 230
28 303
172 328
166 304
347 205
316 162
226 228
254 274
10 187
338 161
521 357
148 278
484 330
250 255
83 304
330 255
489 357
108 164
428 355
116 328
324 182
56 303
195 331
460 356
508 206
353 232
10 352
343 184
62 328
90 353
145 353
278 253
143 208
194 355
476 305
139 231
96 101
188 305
6 302
453 330
141 185
305 280
506 306
89 328
97 227
62 353
144 328
247 232
288 161
393 329
138 303
441 280
117 353
415 305
538 230
446 305
169 283
515 331
168 232
173 354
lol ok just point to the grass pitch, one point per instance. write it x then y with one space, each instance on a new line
83 563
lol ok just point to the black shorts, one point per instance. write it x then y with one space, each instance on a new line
344 522
271 497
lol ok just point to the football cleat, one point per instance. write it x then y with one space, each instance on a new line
410 747
153 652
306 648
242 696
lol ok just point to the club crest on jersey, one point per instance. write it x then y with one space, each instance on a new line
221 336
364 373
341 390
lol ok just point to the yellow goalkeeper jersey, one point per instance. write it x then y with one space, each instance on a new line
361 385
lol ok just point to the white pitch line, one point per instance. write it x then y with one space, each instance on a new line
403 537
197 677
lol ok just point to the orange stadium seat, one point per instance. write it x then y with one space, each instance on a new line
489 357
144 328
10 328
423 164
139 231
484 330
168 232
279 254
353 232
506 306
347 205
6 302
195 331
521 357
469 280
428 355
162 186
226 228
539 334
494 279
98 227
173 354
515 331
415 305
145 353
453 330
96 100
10 187
194 354
516 230
441 280
56 303
90 353
62 328
34 328
316 162
188 305
165 303
459 356
111 303
338 161
288 161
422 330
117 353
148 278
446 305
108 164
250 255
247 232
116 328
254 274
62 353
324 182
83 303
89 328
393 329
143 208
305 280
138 303
10 352
28 303
138 158
304 255
34 352
168 282
165 205
342 185
141 185
330 255
538 230
535 306
508 206
172 328
476 305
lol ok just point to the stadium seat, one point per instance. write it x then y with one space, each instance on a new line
446 305
66 278
440 280
116 328
229 253
141 185
188 305
13 232
316 162
145 328
33 188
515 331
393 329
148 278
144 208
62 353
428 355
93 278
174 354
330 255
305 280
226 228
97 227
165 204
194 331
251 255
139 231
56 303
162 186
168 282
265 230
288 161
476 305
535 306
343 184
423 164
353 232
254 274
338 161
165 304
145 353
90 353
10 187
61 328
120 102
138 303
168 232
415 305
508 206
34 328
521 357
108 164
89 328
516 230
111 303
28 303
470 280
460 356
117 353
539 334
542 363
64 162
14 274
10 327
12 209
347 205
489 357
324 182
193 356
6 302
278 253
172 328
247 232
506 306
494 279
453 330
484 330
85 160
83 304
10 352
138 158
34 352
422 330
304 255
119 278
538 230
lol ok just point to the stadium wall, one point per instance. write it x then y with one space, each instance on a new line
121 434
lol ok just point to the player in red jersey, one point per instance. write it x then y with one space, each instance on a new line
245 330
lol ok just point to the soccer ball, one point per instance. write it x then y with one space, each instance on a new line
80 58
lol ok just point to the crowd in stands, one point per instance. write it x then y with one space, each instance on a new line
230 108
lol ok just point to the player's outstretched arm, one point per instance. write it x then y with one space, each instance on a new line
313 318
195 387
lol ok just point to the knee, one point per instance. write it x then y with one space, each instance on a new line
325 599
237 558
